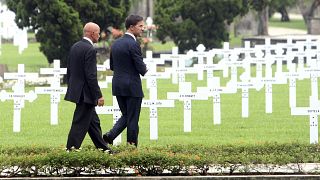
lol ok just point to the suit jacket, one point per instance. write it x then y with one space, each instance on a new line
82 74
127 64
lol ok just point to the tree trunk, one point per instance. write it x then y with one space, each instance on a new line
284 14
263 21
307 11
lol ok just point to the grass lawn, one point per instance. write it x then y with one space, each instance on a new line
292 24
259 128
31 57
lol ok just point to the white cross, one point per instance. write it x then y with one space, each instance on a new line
292 76
200 54
210 68
55 90
300 54
314 110
280 57
18 95
174 57
225 53
215 90
246 81
308 44
153 103
186 95
152 64
290 47
247 51
268 89
245 85
181 69
116 114
268 80
233 63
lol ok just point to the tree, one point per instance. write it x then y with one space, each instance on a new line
191 22
261 6
308 9
281 7
59 23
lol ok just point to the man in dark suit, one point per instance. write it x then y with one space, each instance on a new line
127 64
83 89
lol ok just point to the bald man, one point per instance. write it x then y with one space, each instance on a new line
84 91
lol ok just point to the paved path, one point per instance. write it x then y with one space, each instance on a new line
276 31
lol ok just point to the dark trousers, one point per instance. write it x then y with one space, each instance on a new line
85 119
130 108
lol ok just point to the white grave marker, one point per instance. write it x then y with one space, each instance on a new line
215 90
153 103
175 58
186 95
18 95
314 110
200 54
55 90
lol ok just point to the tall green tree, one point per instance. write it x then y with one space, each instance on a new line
58 23
191 22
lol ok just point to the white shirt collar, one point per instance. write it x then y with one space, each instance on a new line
131 35
88 40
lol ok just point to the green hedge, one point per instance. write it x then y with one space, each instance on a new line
147 161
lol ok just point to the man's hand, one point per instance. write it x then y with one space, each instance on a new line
101 101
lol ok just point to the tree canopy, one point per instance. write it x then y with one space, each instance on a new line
58 24
191 22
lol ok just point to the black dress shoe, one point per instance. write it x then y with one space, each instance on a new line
107 139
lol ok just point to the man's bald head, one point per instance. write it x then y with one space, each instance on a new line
92 31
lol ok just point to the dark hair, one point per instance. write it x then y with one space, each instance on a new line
132 20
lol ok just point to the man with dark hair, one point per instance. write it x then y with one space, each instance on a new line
83 89
127 64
